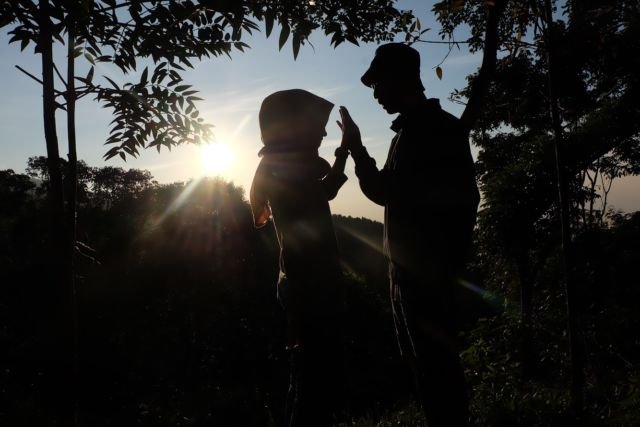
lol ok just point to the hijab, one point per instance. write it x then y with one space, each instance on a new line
292 123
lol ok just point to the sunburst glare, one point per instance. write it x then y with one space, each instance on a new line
216 158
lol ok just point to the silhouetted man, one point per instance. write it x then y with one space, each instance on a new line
429 192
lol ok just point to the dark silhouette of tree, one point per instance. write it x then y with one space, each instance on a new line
178 311
178 314
563 63
159 109
111 184
486 17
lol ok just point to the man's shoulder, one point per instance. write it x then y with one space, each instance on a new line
435 121
431 113
442 116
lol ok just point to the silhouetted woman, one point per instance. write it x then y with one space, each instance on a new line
293 186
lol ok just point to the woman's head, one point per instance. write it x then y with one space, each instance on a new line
293 120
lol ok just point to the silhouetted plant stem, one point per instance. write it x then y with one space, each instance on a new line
481 83
526 311
59 261
573 326
50 133
72 208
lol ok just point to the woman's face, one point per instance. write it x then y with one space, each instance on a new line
314 138
311 131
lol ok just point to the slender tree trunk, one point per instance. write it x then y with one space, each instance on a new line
59 344
526 312
480 85
49 115
72 206
574 331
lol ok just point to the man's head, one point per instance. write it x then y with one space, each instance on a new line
394 76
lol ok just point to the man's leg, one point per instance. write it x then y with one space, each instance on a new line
442 383
428 343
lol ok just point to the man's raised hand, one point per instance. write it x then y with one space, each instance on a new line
351 138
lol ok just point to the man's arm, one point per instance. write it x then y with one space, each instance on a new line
374 183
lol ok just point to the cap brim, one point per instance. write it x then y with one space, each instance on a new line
368 78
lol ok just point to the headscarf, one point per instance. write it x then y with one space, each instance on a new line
286 118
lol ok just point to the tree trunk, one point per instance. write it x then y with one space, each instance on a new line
526 312
573 326
480 85
72 207
58 344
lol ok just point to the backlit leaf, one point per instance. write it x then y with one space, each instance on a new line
284 34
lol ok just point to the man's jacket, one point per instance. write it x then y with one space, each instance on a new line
428 189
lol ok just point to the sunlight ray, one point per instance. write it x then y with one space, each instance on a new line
362 238
179 201
240 127
485 294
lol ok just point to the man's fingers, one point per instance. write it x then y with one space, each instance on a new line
339 124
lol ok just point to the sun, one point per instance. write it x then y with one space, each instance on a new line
216 158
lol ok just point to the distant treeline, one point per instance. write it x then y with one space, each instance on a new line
179 324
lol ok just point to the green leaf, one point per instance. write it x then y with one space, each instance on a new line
181 88
111 153
177 66
284 34
144 76
90 74
269 24
296 46
115 86
439 73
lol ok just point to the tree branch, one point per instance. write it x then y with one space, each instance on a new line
480 85
441 42
55 68
57 92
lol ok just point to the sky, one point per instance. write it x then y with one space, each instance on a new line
233 90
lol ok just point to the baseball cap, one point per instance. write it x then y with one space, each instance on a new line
393 61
